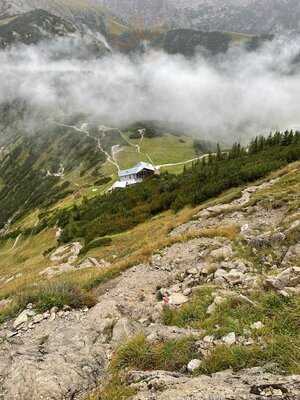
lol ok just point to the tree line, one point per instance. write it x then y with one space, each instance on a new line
123 209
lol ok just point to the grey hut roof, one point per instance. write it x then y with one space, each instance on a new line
138 168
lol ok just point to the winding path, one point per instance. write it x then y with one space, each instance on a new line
109 158
182 162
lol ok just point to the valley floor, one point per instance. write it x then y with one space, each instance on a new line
208 289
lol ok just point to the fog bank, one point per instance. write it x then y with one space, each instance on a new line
237 95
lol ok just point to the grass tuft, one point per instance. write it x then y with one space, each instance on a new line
138 353
281 352
190 313
48 296
278 314
115 389
277 342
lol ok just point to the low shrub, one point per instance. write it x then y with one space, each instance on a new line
121 210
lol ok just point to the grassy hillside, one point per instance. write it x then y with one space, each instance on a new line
62 164
133 221
161 150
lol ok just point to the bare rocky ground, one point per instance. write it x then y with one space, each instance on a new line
64 354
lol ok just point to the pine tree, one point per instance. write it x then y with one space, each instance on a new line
219 153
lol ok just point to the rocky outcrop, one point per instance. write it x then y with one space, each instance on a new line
65 259
250 384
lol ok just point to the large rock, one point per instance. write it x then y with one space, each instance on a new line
23 318
193 365
222 253
229 339
59 362
218 300
235 277
107 309
292 256
161 333
177 299
124 329
67 253
92 262
290 277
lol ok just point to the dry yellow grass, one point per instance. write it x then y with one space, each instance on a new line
25 261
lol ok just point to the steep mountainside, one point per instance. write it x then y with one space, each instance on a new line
209 309
82 13
65 162
251 16
31 27
141 13
102 31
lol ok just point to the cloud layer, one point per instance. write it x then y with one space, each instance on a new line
237 95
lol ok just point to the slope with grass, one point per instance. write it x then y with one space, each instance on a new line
63 169
218 283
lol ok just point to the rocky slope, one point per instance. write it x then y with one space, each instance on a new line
252 16
31 21
82 13
64 354
145 13
32 27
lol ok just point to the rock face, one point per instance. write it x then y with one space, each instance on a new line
64 259
252 384
62 354
289 278
66 253
177 299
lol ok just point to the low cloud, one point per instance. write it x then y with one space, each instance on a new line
230 97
